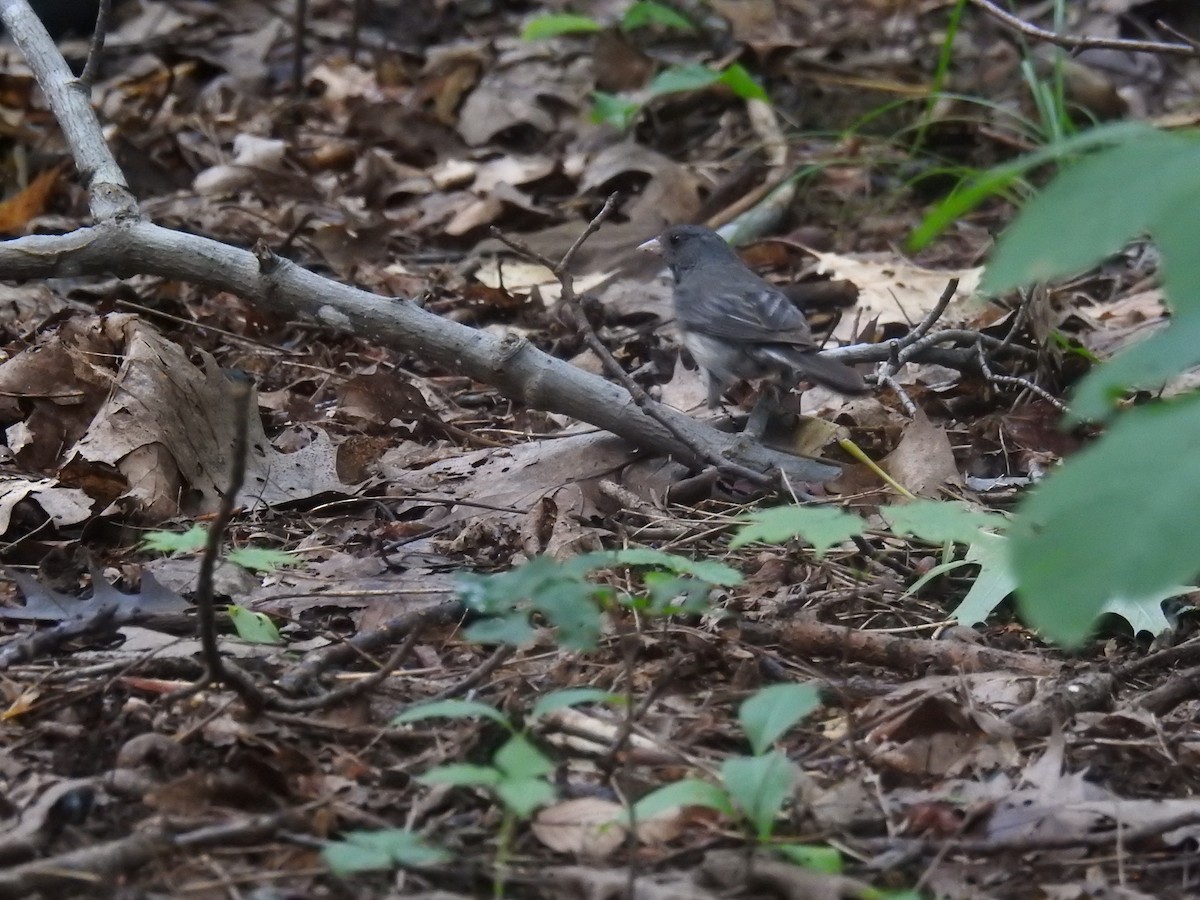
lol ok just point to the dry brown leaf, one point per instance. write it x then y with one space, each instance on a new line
29 202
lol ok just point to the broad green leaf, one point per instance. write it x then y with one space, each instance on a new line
189 541
524 795
614 110
1119 519
1175 233
261 559
555 24
821 526
760 786
939 521
514 630
817 857
362 851
647 12
708 569
773 710
557 700
1093 208
463 775
253 626
452 709
520 759
994 582
994 181
687 792
1147 364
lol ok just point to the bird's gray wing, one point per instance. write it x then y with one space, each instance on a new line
749 312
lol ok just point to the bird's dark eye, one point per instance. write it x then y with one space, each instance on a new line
673 239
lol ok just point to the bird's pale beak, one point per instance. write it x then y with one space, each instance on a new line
652 246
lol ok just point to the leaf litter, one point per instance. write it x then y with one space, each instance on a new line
385 477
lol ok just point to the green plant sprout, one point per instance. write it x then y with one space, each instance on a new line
518 770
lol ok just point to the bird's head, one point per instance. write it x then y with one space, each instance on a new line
687 247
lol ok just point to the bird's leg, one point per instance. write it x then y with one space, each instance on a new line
760 416
715 389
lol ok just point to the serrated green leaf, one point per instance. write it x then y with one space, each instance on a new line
514 630
189 541
556 24
361 851
760 786
253 626
816 857
557 700
821 526
1119 519
261 559
452 709
771 711
1093 208
939 521
686 792
647 12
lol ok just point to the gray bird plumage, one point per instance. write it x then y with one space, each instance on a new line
737 325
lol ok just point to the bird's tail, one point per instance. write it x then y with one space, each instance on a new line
810 364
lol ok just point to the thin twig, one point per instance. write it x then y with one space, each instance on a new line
1082 43
476 675
216 669
1015 381
355 688
96 49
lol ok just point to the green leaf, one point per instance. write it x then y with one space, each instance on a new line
738 80
452 709
523 796
253 626
614 110
708 569
1147 364
189 541
939 521
572 697
817 857
1093 208
996 180
363 851
695 77
773 710
760 786
677 79
514 630
520 759
647 12
463 775
821 526
555 24
261 559
1119 519
686 792
995 581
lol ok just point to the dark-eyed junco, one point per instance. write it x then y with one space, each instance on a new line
737 325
